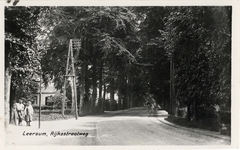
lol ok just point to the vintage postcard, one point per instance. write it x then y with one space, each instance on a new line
120 74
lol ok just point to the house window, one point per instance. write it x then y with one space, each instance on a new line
49 101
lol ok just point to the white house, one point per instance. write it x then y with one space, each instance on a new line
46 93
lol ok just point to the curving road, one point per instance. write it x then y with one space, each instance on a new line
128 127
136 128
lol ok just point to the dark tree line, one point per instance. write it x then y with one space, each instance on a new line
199 38
126 51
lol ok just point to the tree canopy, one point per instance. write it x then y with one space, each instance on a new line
126 51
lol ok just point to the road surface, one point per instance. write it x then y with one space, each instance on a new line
127 127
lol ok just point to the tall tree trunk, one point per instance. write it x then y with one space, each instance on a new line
188 112
82 91
119 99
94 82
171 112
111 93
75 97
87 105
104 97
119 92
7 85
130 91
131 99
174 103
125 100
100 86
12 98
125 93
120 89
195 110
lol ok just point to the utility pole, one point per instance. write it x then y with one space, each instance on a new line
74 44
170 85
173 91
40 97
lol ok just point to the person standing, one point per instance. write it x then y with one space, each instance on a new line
152 109
149 106
28 113
20 111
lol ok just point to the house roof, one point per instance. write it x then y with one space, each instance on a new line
49 89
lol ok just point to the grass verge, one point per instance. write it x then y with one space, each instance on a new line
201 124
49 115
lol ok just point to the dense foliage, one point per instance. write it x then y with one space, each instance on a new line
199 38
21 55
126 51
22 58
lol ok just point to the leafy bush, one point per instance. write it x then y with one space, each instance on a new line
208 123
225 117
206 112
182 112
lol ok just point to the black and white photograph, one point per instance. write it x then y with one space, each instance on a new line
119 75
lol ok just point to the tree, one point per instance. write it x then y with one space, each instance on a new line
151 55
199 41
102 30
21 55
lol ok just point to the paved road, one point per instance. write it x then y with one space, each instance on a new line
135 129
128 127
